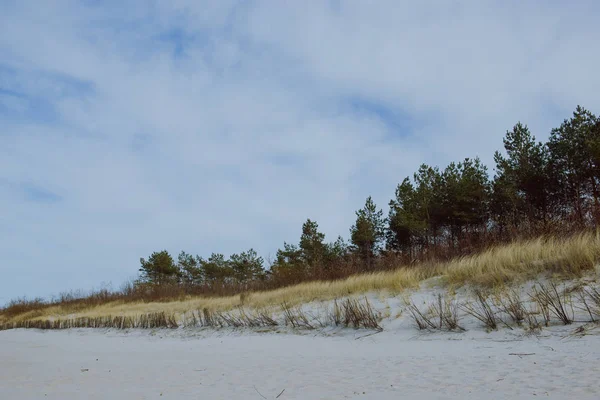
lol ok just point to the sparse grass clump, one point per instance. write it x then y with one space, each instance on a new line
442 314
359 314
422 319
533 325
239 318
208 318
511 304
245 319
295 317
349 313
550 300
335 316
482 310
447 313
590 299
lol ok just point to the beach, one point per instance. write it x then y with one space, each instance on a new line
172 364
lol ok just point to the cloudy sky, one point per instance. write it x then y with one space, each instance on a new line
132 126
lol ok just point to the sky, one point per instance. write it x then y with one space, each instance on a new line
128 127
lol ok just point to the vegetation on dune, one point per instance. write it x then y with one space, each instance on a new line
502 264
535 214
538 189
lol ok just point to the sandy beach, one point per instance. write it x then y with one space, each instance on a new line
88 364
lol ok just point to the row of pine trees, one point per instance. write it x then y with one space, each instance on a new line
537 188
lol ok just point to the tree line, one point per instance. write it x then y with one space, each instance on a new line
537 188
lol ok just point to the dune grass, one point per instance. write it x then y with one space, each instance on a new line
525 260
518 261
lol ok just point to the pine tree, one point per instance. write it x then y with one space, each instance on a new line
189 269
336 250
368 231
464 191
289 264
312 244
216 270
575 157
159 269
403 223
525 170
247 266
416 214
504 204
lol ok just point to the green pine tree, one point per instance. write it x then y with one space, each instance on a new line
312 244
247 266
575 157
160 268
368 231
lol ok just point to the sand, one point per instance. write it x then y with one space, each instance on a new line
560 362
87 364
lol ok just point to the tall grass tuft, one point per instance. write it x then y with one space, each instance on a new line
296 317
510 303
442 314
557 303
482 310
359 314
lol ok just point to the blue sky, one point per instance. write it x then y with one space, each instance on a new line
128 127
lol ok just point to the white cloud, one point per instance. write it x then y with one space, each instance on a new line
232 137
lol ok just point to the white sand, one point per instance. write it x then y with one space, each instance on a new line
400 362
37 365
